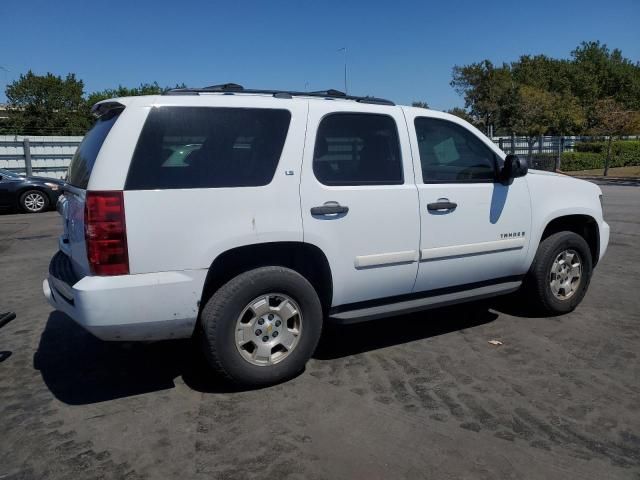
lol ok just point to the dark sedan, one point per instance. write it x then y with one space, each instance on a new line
30 194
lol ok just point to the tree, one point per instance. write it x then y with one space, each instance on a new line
46 105
567 115
576 85
542 72
143 89
485 88
613 120
420 104
463 114
532 114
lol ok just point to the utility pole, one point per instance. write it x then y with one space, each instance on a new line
344 50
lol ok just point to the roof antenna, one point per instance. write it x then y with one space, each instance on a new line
344 49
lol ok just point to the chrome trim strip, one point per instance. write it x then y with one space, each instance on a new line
471 249
381 259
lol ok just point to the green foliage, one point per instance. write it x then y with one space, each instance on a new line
50 105
622 148
463 114
143 89
46 104
591 155
543 95
420 104
572 161
487 90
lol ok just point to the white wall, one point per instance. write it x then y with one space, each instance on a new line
50 156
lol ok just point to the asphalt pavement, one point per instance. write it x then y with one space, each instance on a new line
419 396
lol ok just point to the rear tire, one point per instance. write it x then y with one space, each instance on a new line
261 327
34 201
560 274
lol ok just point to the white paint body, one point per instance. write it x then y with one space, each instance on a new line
387 244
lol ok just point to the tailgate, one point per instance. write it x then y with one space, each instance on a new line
71 242
71 204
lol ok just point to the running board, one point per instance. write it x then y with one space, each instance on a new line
425 303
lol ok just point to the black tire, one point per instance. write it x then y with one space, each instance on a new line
30 194
220 314
537 284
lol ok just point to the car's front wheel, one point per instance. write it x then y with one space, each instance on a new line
34 201
560 273
262 326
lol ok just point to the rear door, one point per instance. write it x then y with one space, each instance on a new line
359 200
473 228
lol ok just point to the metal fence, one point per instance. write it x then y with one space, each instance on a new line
545 152
50 156
37 155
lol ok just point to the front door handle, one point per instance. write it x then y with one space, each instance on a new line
442 205
329 208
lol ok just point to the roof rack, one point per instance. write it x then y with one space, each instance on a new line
232 88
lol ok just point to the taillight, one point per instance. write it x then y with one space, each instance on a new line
105 233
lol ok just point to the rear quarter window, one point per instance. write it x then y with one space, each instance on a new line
85 156
208 147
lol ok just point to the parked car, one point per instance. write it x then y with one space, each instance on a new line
290 209
30 194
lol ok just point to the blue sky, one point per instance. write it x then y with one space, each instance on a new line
402 50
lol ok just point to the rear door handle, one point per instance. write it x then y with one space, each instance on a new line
442 206
329 208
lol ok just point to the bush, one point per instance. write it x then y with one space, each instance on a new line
591 155
572 161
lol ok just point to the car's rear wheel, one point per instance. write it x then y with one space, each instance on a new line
262 326
560 273
34 201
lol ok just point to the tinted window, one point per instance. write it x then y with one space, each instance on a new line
9 174
201 147
357 149
86 154
451 153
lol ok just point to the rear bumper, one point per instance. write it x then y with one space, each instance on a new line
149 306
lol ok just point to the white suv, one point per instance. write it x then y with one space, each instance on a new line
248 217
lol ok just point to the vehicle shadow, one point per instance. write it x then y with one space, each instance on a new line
343 340
80 369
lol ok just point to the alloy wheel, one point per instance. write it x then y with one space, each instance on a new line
268 329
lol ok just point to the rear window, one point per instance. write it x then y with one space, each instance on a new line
86 154
208 147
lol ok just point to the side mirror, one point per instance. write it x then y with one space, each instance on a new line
513 167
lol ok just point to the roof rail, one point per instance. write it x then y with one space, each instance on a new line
232 88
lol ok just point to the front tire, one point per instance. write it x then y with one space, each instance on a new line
34 201
262 326
560 274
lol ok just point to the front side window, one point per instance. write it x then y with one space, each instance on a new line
205 147
357 149
449 153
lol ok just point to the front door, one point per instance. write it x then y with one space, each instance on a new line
359 199
474 229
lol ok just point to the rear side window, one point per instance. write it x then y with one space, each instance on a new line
449 153
205 147
86 154
357 149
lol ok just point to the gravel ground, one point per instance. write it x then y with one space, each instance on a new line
420 396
